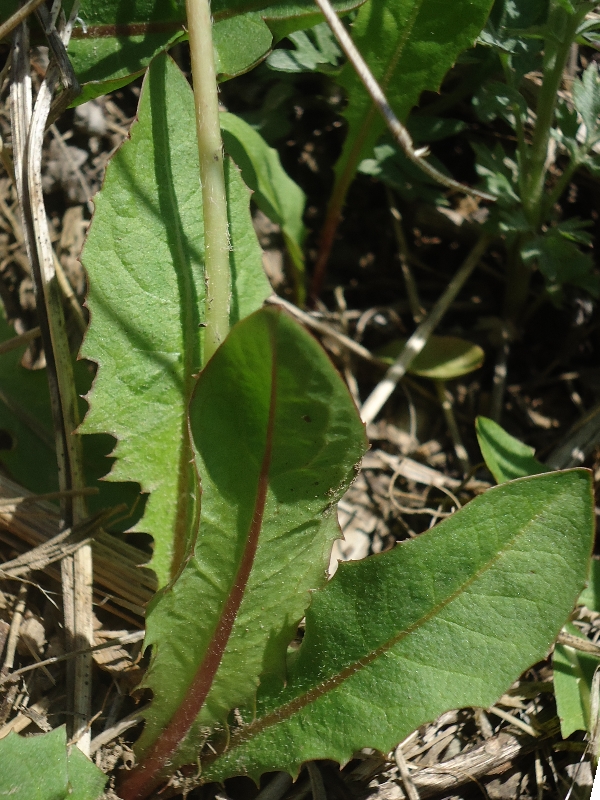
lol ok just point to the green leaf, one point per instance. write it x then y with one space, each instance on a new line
505 457
26 419
496 99
512 22
409 46
104 64
240 43
275 193
429 128
447 620
500 173
144 257
315 50
586 97
393 168
573 674
561 261
86 781
277 440
590 597
111 46
443 357
41 768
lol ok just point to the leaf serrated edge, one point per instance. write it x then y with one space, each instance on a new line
285 711
147 775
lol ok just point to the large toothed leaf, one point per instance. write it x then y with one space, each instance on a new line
447 620
277 440
144 256
409 46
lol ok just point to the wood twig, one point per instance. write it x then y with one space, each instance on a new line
407 782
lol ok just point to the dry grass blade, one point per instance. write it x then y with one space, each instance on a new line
60 546
109 735
492 757
324 329
17 18
121 585
130 638
76 569
407 782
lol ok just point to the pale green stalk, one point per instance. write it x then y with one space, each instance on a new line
214 199
555 60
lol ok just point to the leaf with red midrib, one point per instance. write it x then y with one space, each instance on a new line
276 439
444 621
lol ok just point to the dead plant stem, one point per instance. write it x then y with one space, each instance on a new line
19 341
445 399
418 340
500 375
416 309
76 569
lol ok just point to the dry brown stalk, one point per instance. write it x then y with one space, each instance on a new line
492 757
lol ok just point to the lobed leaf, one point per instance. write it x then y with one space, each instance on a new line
145 258
314 50
277 439
409 46
573 671
42 768
447 620
586 97
505 457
